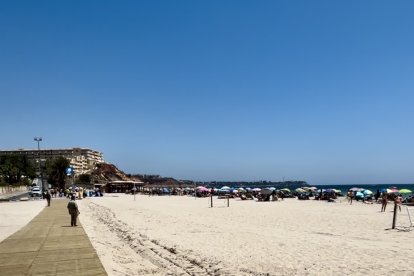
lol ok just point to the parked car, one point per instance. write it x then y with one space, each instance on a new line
36 191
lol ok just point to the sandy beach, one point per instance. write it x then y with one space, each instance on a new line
172 235
15 215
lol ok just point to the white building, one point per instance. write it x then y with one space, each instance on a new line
83 160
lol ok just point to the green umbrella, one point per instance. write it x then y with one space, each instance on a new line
405 191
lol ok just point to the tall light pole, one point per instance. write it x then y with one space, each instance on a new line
38 140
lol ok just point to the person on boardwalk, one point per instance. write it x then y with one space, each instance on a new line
73 211
48 198
384 201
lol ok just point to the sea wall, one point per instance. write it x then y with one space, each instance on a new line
12 189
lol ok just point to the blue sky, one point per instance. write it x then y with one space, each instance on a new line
320 91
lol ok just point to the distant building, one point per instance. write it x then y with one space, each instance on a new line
82 160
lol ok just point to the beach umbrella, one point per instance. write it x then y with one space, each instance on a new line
286 190
272 188
266 191
235 191
225 188
313 188
367 192
355 189
202 189
405 191
337 191
359 195
300 190
241 190
257 189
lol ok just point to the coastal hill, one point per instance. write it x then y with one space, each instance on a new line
108 172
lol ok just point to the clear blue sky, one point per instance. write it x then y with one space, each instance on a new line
320 91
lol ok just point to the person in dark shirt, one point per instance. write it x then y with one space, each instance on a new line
73 211
48 198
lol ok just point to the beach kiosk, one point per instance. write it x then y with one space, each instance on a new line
123 186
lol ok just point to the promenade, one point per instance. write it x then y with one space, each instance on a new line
48 245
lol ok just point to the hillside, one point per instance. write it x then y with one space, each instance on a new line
108 172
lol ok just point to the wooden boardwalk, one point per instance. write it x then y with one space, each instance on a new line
48 245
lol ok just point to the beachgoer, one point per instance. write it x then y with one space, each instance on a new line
398 201
350 197
384 201
377 195
73 211
281 195
48 198
274 196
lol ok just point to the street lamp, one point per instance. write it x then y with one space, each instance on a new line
38 140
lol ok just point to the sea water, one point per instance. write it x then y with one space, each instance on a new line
373 187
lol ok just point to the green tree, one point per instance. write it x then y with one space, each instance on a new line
84 179
56 171
15 168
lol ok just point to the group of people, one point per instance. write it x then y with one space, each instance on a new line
382 198
398 200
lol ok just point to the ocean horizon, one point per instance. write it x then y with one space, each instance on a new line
343 187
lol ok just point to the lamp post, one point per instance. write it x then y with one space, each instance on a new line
38 140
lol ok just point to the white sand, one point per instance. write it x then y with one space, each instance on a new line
172 235
15 215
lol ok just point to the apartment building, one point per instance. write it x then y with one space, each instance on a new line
83 160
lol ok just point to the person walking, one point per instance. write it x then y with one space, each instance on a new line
73 211
398 200
384 201
350 197
48 198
